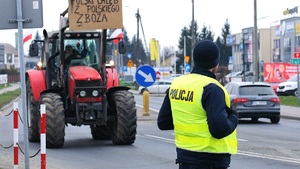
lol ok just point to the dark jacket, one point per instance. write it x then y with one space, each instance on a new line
219 122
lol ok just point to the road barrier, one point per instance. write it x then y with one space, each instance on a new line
15 145
43 136
16 134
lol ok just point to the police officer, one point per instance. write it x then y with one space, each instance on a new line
197 108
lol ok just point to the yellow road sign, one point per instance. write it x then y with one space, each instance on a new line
186 58
130 63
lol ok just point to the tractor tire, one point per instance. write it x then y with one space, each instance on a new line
125 122
55 119
100 132
33 115
296 92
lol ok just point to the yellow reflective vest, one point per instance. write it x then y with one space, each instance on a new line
189 117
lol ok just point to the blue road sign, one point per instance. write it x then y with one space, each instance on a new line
145 76
187 68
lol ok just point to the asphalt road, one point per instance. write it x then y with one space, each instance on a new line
261 145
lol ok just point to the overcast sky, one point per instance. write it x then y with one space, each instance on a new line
164 19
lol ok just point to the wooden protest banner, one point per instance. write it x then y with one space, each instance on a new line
95 14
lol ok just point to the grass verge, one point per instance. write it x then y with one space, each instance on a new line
289 101
9 97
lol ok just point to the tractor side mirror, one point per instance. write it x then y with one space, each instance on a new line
122 48
33 49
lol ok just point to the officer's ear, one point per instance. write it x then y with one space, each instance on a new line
214 69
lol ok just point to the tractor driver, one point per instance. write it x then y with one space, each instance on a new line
70 54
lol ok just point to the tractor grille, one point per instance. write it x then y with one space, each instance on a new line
86 83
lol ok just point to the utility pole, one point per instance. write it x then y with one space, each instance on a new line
146 46
139 21
244 58
193 35
137 39
255 47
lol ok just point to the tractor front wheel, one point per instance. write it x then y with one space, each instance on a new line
55 120
125 121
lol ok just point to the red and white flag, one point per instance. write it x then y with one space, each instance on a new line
117 34
27 36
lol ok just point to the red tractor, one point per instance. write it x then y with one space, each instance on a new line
79 90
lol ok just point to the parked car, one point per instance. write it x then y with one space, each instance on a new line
159 87
254 100
289 87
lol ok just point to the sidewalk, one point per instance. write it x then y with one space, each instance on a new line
11 87
287 112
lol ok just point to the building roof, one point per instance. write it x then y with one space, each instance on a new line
8 48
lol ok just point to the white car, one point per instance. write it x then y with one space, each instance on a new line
289 87
159 87
232 74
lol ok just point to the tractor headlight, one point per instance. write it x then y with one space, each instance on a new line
95 93
82 93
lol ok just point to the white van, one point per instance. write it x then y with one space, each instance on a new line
289 87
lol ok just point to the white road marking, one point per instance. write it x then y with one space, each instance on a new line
244 153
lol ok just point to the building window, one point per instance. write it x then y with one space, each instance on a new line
276 51
277 43
287 49
297 44
297 40
9 58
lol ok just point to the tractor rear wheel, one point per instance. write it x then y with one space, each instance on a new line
55 119
124 125
32 114
100 132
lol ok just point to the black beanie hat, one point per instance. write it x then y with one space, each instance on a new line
206 54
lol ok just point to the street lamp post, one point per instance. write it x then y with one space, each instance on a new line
193 35
255 44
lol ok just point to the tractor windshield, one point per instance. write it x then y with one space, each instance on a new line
88 50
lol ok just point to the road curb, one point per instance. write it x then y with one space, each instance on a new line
290 117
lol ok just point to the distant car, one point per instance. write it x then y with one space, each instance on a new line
254 100
289 87
249 73
173 76
159 87
232 74
248 76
